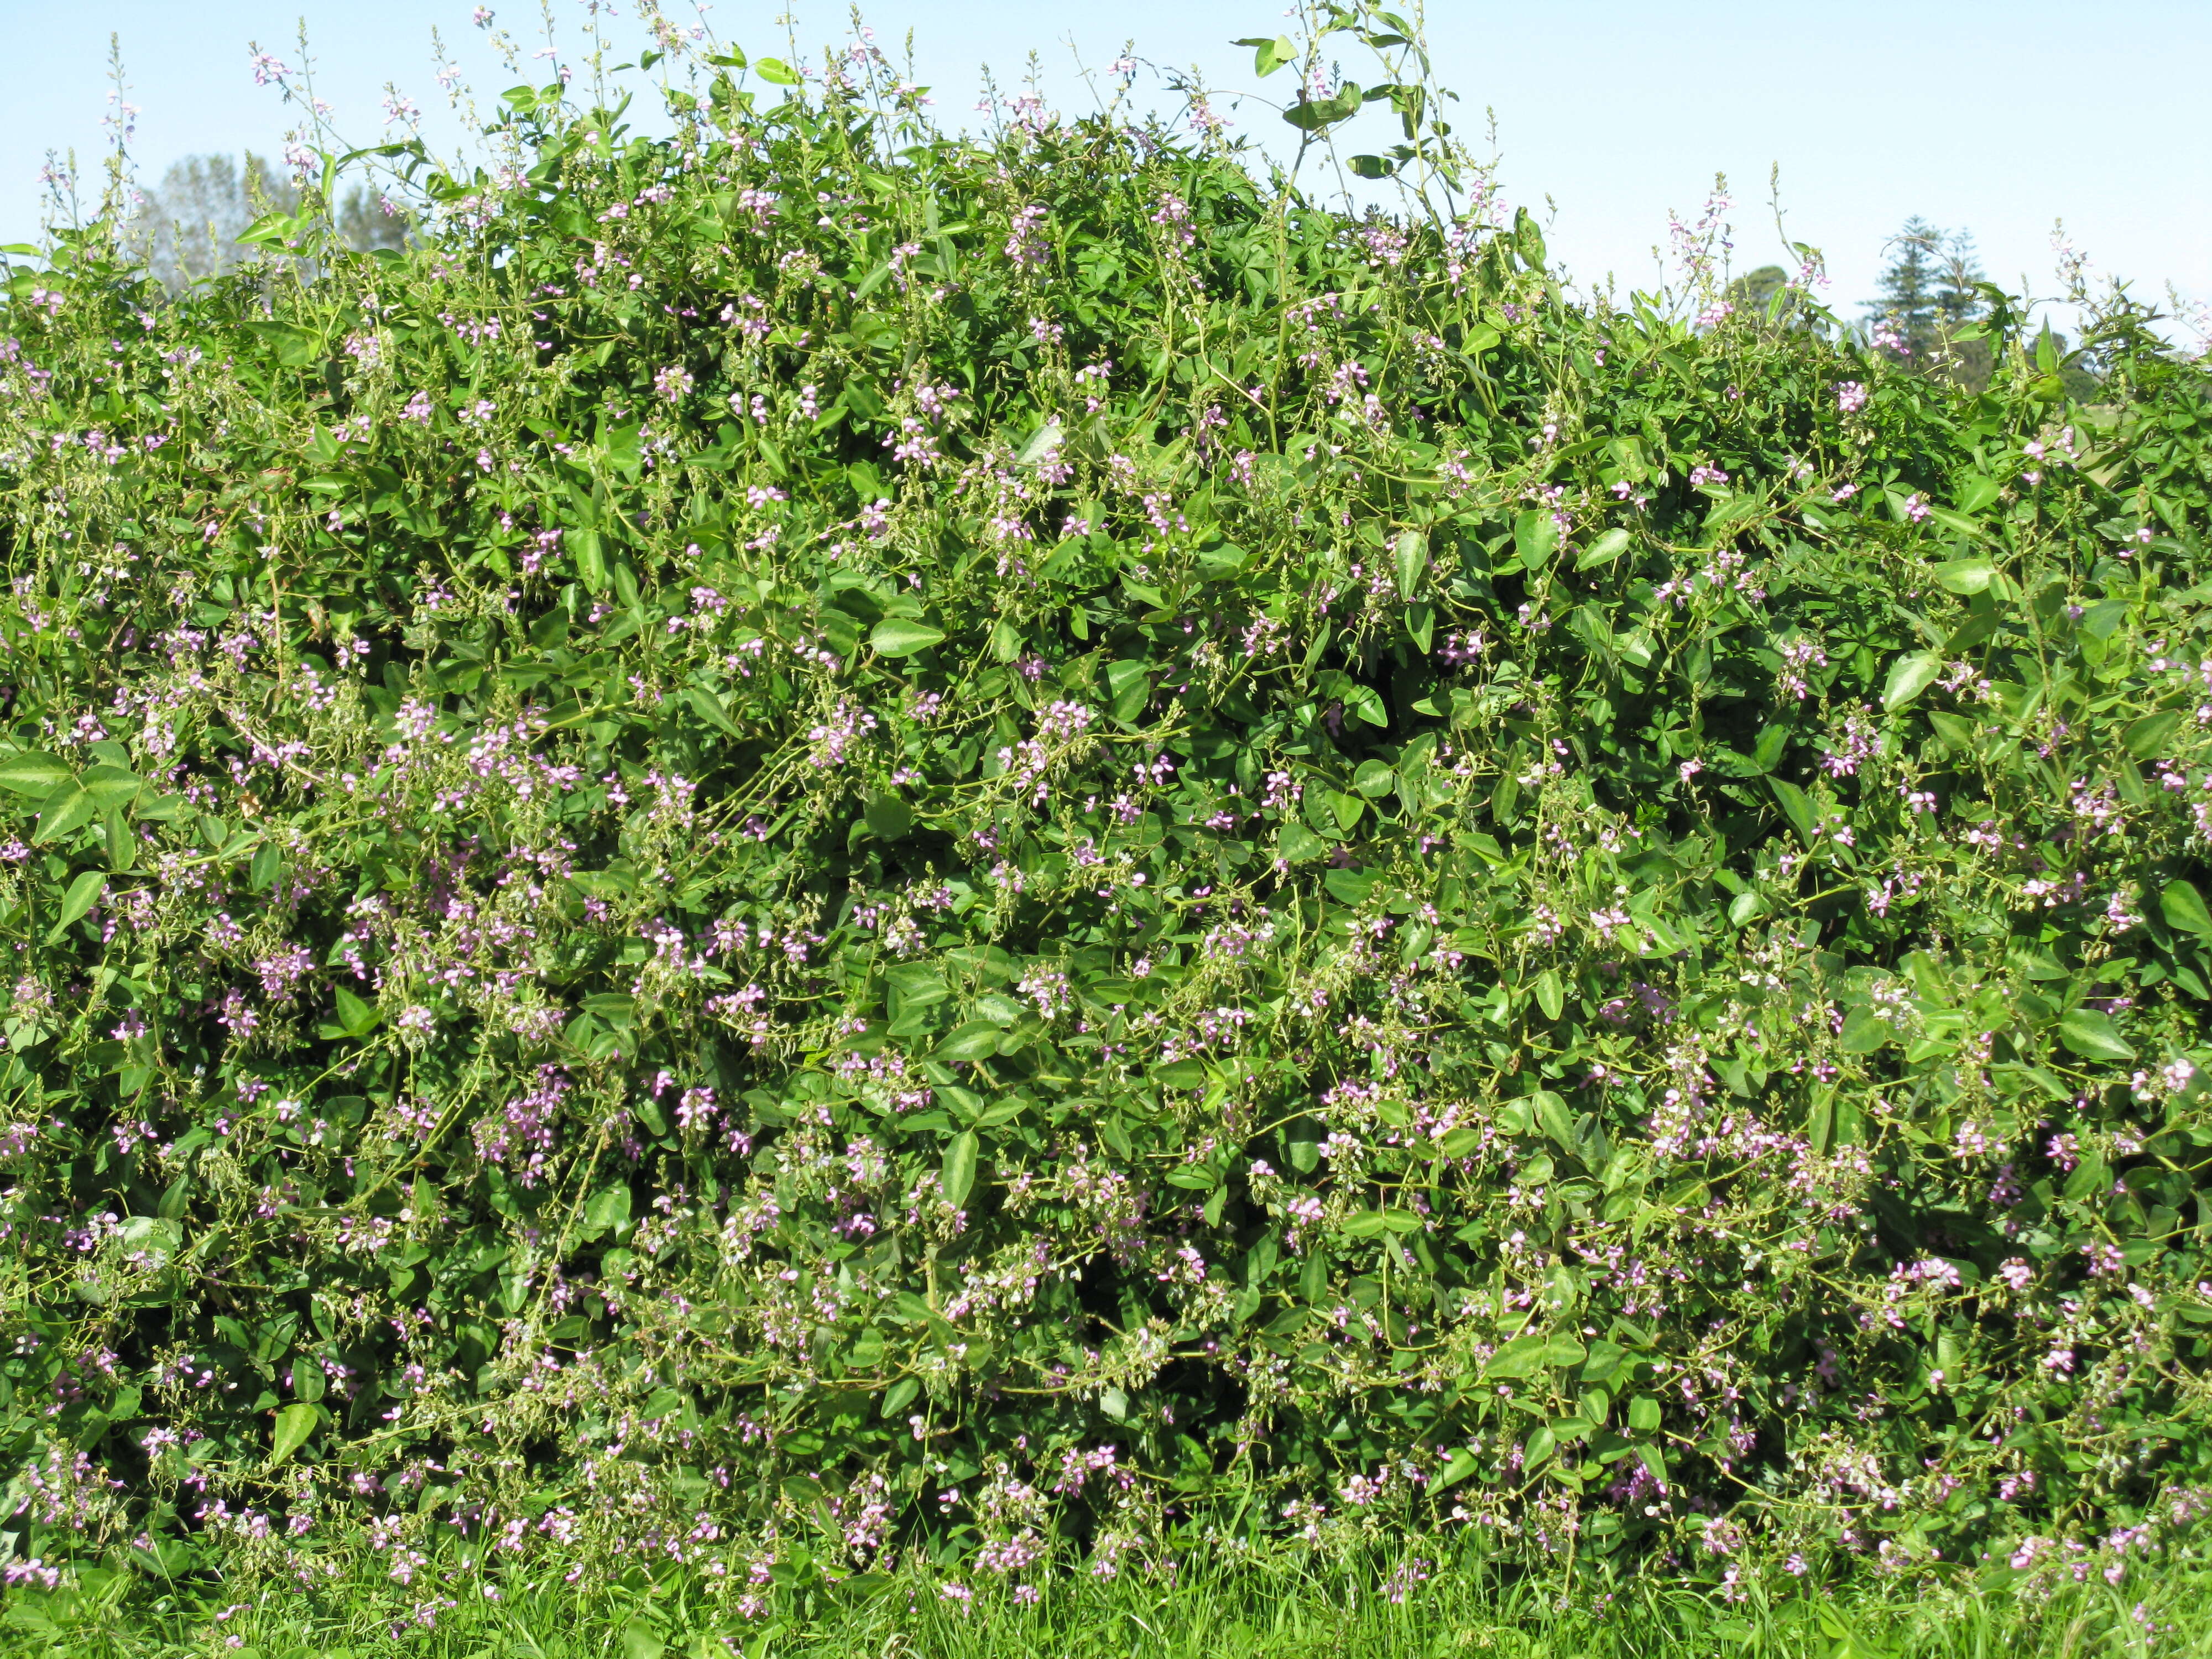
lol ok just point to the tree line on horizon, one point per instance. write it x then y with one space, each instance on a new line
1927 301
1926 298
187 228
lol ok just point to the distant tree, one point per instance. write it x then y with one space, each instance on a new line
1755 289
1753 293
369 220
1927 296
1905 315
1958 269
2081 380
1959 303
188 226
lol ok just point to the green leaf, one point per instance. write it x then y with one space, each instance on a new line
1552 1113
2146 737
1271 54
917 984
1955 734
960 1171
1522 1357
1316 115
640 1640
977 1040
1349 886
82 894
293 1425
1864 1032
1964 576
708 708
2103 618
1975 491
619 443
1604 1358
607 1211
2183 907
356 1017
1221 561
2090 1034
151 1232
584 547
1374 779
1131 688
1604 550
1796 805
1550 997
1347 809
1529 239
271 230
1411 550
1908 676
999 1008
33 774
1535 537
111 787
775 72
1420 624
901 636
68 808
1041 446
889 816
1539 1448
1460 1465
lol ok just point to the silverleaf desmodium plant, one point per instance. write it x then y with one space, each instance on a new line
818 839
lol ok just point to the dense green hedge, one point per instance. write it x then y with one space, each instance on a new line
821 838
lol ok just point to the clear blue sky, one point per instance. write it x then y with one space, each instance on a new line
1996 116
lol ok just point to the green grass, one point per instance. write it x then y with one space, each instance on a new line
1280 1608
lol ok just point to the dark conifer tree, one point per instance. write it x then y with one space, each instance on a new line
1905 315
